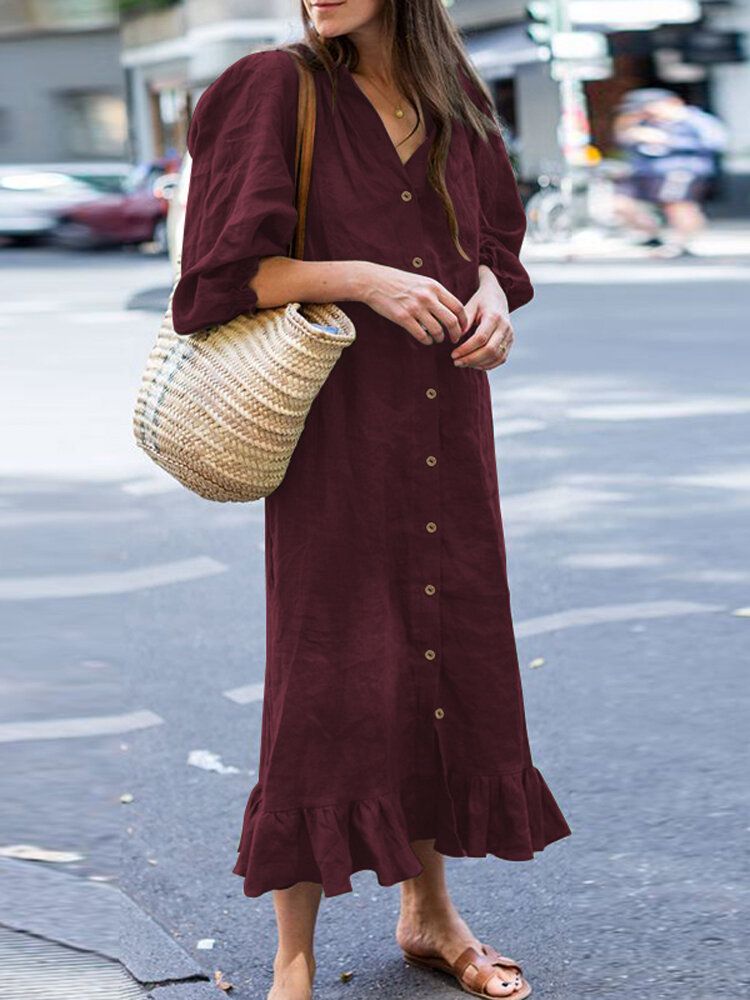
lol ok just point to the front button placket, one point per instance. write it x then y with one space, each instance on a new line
425 545
426 561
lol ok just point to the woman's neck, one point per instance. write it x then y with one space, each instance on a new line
374 57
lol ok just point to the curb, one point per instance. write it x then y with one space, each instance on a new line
98 917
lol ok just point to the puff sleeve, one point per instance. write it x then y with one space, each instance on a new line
502 215
240 204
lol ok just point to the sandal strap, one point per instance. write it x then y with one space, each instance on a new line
497 959
487 963
469 956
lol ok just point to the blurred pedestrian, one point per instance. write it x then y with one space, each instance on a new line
393 728
672 149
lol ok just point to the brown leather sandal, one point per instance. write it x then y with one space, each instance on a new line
486 965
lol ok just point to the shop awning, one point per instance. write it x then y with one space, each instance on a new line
497 52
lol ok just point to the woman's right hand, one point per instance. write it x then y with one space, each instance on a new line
413 299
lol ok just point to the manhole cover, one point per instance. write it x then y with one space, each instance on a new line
32 968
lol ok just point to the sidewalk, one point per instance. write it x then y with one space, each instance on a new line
720 242
72 937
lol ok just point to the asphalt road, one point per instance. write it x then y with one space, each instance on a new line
622 420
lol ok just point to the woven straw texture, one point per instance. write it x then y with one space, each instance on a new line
223 409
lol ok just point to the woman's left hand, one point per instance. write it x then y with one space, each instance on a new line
490 344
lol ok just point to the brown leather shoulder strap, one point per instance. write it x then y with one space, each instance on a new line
303 152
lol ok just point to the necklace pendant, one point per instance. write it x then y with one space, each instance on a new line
399 113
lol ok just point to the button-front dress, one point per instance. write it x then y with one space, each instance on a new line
393 708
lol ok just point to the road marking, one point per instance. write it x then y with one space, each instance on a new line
606 613
33 519
553 504
40 305
30 588
245 695
107 316
151 487
66 729
661 411
571 273
711 576
519 425
612 560
725 479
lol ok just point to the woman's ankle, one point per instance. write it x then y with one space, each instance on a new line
294 963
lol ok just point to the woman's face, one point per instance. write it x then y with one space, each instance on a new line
342 17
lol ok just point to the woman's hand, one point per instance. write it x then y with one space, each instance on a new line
489 345
421 305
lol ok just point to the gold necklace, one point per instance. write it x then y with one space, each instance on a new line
398 110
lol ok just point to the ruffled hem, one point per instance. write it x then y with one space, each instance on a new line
510 816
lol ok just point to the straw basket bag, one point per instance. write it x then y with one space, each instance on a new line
222 410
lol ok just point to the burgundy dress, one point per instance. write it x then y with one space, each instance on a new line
393 708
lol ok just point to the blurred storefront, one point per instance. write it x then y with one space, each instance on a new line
172 49
705 61
62 94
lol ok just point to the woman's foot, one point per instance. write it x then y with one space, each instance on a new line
292 977
440 931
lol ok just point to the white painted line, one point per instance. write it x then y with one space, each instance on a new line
610 613
245 695
66 729
724 479
571 273
30 588
151 487
505 428
40 305
107 316
554 504
612 560
37 518
711 576
661 411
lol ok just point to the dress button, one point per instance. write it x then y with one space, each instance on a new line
406 195
439 713
431 460
429 654
430 393
417 261
431 526
429 589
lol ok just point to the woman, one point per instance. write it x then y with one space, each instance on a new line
393 728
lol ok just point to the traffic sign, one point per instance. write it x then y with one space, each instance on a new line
579 45
633 13
581 69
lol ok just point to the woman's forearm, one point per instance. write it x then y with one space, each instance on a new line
279 280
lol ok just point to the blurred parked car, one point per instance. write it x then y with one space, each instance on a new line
32 198
135 214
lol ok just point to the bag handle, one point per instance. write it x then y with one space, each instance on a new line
303 154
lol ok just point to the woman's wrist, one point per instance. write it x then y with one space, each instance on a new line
360 279
488 279
486 274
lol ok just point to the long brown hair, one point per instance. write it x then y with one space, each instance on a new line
427 59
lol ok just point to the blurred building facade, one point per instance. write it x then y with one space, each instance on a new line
62 89
172 49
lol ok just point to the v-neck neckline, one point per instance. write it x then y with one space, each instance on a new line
428 122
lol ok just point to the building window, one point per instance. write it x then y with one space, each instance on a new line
169 115
4 126
94 124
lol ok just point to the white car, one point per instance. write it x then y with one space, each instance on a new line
176 214
33 196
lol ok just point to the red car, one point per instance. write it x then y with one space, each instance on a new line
135 214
